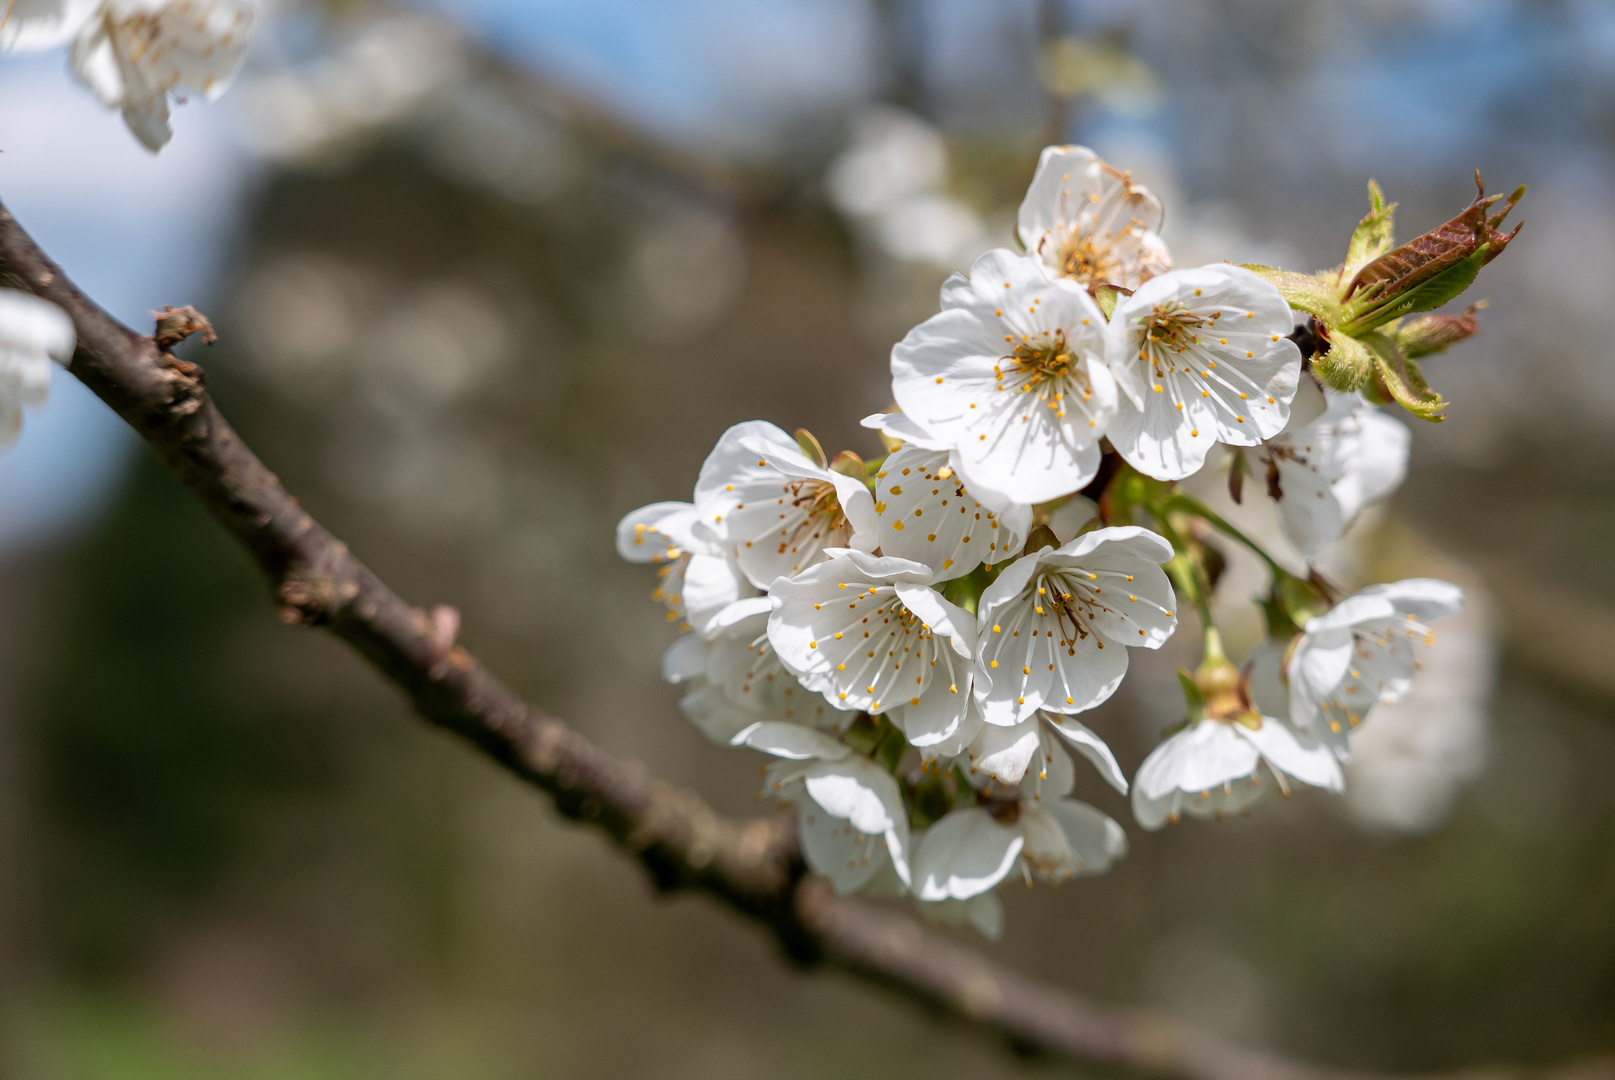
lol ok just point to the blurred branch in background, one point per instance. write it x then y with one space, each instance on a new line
752 866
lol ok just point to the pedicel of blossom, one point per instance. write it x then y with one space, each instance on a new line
1336 457
1055 627
737 680
1031 827
134 53
698 580
928 515
871 633
1010 374
846 787
33 332
1201 357
1084 220
775 508
1361 653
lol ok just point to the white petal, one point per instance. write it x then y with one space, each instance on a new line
934 519
646 535
33 327
37 25
1084 740
1096 839
897 426
797 743
1315 764
964 854
711 584
1003 753
1200 757
860 791
835 849
685 659
713 714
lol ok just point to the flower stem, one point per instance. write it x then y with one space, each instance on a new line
1179 501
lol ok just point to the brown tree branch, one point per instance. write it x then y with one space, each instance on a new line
752 866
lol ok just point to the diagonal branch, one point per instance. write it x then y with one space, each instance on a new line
752 866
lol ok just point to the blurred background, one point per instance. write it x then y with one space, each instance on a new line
490 273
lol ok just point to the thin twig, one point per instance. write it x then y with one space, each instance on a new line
753 866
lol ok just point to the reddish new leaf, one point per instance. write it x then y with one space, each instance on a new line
1423 257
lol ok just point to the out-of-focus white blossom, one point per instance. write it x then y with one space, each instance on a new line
776 510
1363 652
1011 374
1056 625
1408 767
1084 220
890 181
1337 455
134 54
1201 357
33 332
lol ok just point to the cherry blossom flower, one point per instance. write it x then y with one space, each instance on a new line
1201 356
737 680
33 332
36 25
134 53
775 508
1334 458
1363 652
1031 827
870 633
1212 768
1084 220
927 514
1055 627
843 785
698 580
1010 374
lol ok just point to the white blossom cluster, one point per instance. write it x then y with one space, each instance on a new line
913 644
134 54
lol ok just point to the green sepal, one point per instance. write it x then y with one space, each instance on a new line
1251 720
891 748
850 464
1193 699
1106 297
1348 366
1279 622
1316 294
932 800
1300 600
1403 380
1373 236
810 446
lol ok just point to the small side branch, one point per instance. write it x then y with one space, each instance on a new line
753 866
